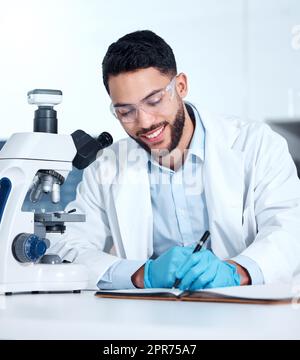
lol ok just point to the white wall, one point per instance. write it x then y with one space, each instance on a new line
240 55
273 59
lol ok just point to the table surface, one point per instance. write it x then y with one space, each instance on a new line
84 316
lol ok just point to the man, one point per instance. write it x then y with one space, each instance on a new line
182 171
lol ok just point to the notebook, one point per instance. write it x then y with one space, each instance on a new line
254 294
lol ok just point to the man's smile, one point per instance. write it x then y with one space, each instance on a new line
155 135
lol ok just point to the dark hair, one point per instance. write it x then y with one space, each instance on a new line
138 50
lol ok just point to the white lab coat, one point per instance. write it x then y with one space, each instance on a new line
252 193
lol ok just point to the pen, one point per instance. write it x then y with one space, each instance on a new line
198 247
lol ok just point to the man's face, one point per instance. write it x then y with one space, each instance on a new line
157 128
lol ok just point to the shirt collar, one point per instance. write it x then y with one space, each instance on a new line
198 139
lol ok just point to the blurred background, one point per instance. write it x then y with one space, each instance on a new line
242 57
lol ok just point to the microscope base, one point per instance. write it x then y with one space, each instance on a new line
47 278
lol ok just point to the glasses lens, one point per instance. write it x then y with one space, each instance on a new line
124 113
158 103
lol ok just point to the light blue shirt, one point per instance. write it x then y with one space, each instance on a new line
179 212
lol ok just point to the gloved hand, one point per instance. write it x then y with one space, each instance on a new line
160 273
204 270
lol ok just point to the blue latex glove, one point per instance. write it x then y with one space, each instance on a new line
204 270
160 273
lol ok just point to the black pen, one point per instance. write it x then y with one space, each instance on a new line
198 247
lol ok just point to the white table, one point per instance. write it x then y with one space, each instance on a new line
84 316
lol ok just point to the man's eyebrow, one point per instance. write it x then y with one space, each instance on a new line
145 98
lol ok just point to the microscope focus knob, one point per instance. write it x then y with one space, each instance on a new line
29 247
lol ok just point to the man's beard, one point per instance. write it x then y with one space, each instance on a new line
176 133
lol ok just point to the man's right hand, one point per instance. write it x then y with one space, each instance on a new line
160 273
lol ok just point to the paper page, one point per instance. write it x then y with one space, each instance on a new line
145 291
263 292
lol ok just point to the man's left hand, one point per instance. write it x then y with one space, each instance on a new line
204 270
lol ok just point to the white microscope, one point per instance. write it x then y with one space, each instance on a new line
39 163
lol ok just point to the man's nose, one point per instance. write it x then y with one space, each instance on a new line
145 120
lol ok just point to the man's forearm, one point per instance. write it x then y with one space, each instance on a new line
118 276
138 278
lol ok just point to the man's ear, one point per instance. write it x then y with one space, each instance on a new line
182 85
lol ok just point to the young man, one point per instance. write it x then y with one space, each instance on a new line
182 171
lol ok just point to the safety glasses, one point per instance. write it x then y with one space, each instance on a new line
154 104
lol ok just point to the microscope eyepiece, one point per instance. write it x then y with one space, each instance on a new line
88 147
105 139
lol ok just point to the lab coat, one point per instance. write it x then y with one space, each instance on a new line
252 193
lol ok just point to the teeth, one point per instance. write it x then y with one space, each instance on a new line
155 134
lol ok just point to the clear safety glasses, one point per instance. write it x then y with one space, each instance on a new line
155 104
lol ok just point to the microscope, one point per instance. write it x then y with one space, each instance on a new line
32 165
